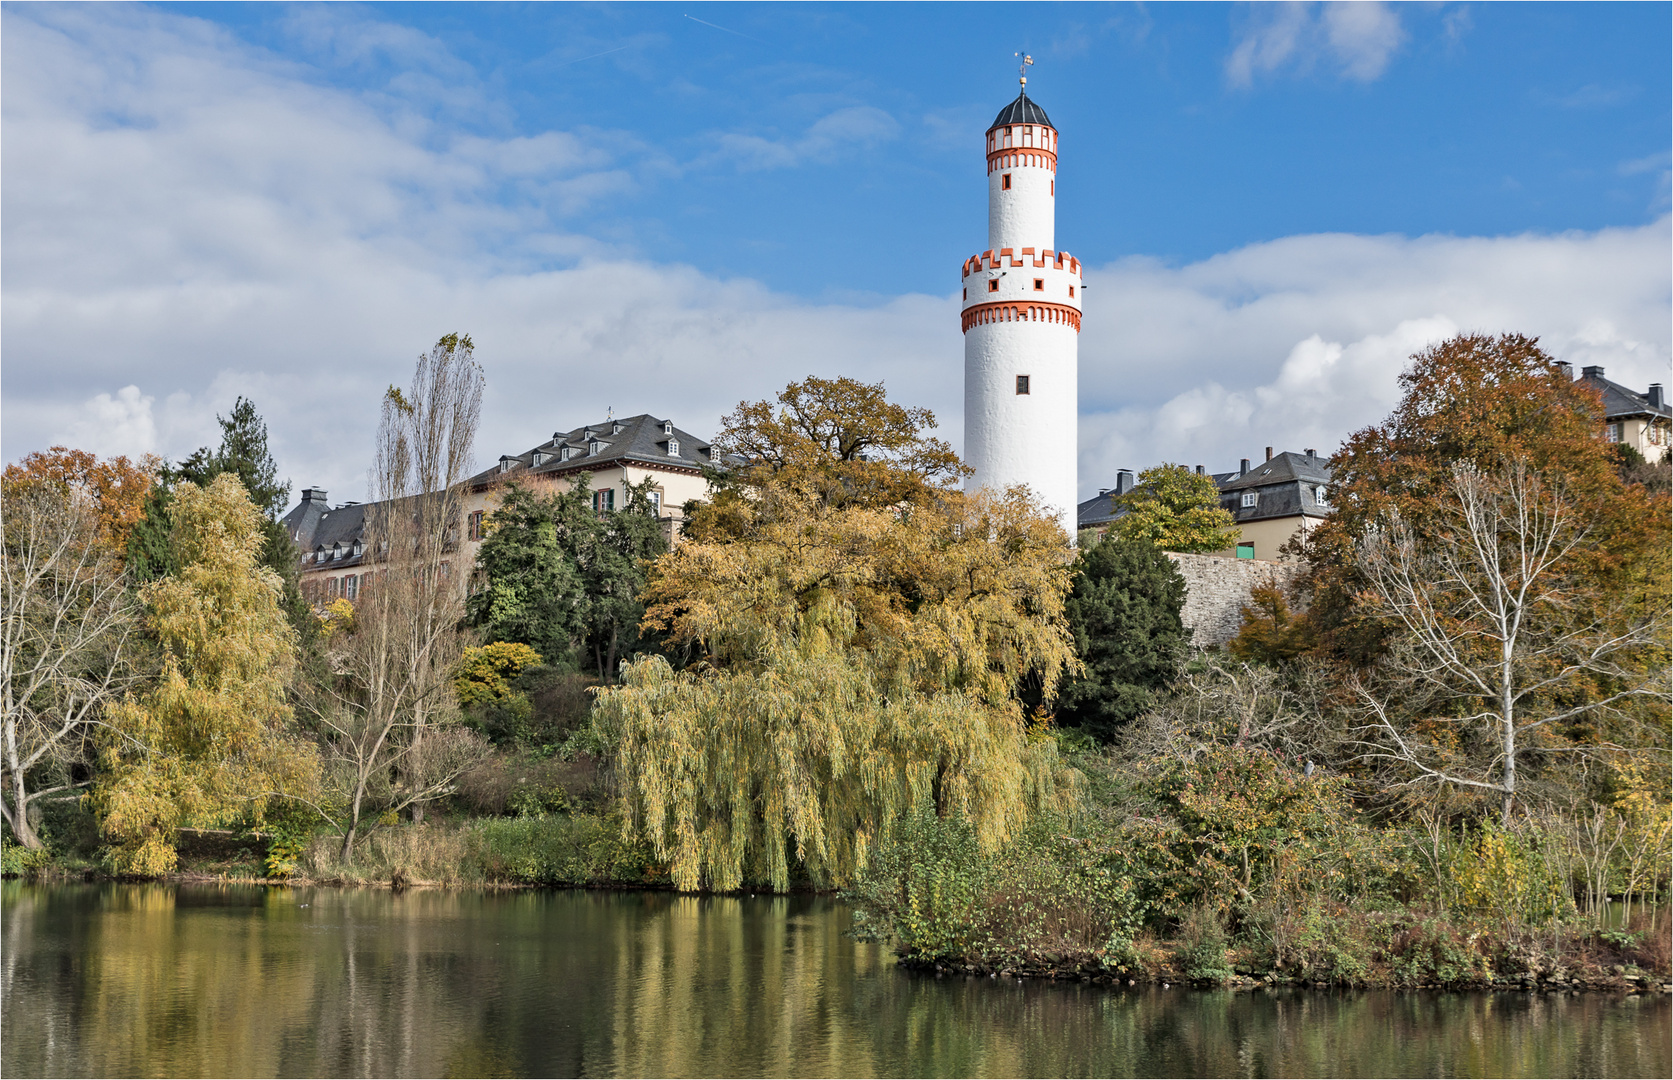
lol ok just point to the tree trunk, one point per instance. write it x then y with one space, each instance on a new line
610 676
16 807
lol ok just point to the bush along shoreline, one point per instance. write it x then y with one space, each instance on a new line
1149 900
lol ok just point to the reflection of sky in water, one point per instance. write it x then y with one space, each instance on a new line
154 980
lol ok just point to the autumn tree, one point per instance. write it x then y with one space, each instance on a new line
1175 509
864 631
210 741
1124 612
388 708
1488 402
66 621
1270 632
840 440
1507 647
114 490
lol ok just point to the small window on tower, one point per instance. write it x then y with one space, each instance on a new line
1071 292
993 284
1039 284
1005 182
967 292
1022 384
1054 189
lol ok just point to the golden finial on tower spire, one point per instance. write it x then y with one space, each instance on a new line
1022 69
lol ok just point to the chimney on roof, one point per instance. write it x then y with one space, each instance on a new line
1123 481
1103 491
1311 453
1199 470
1243 467
1592 371
313 495
1269 453
1566 369
1654 397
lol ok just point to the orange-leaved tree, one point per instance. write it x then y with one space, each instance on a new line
1486 402
115 488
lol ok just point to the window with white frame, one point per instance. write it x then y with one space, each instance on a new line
1250 499
673 448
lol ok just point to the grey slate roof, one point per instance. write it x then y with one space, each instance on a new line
1619 401
1284 487
317 528
638 440
1020 111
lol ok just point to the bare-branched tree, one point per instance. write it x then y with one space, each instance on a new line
1505 648
390 709
66 616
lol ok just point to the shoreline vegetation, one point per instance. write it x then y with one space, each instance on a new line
1440 759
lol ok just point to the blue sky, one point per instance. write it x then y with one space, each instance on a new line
668 208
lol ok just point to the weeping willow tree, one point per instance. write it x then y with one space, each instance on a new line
861 648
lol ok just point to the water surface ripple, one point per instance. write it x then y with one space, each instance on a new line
156 980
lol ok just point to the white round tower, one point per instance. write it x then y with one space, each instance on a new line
1021 316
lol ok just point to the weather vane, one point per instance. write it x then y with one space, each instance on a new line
1022 69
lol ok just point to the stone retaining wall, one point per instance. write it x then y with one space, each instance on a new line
1216 589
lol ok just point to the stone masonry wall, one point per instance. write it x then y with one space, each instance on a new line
1216 589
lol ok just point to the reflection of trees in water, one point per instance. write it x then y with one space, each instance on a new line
123 980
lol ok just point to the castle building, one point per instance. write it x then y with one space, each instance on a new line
337 562
1021 318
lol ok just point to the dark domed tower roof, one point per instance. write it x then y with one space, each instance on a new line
1021 111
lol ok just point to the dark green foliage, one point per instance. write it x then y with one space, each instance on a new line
1124 612
534 594
564 579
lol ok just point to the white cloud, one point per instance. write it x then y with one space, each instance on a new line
854 127
1298 342
1357 39
111 425
188 220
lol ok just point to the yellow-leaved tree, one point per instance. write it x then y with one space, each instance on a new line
209 742
862 635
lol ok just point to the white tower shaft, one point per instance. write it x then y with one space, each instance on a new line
1021 317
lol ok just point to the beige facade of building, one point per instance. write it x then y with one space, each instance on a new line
611 455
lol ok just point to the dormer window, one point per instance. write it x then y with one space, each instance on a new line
1321 496
336 552
358 548
615 429
593 447
506 462
540 458
668 427
564 452
673 448
1249 499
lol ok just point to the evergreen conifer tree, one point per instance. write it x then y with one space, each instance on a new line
1124 611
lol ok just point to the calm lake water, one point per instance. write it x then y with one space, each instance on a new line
143 980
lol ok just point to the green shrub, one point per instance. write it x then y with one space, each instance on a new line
1047 898
1201 948
564 850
